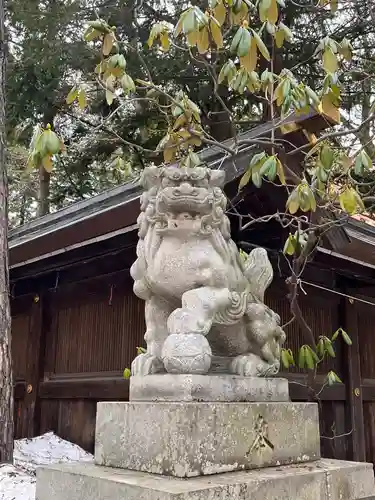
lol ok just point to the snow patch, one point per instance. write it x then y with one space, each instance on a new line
17 482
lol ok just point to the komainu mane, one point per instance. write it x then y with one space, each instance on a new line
204 303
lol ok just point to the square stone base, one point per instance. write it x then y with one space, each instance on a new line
193 439
224 388
322 480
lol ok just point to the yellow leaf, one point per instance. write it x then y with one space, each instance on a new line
289 128
151 39
241 16
72 96
293 202
310 136
169 154
217 36
334 6
192 38
178 27
348 201
280 172
47 163
180 122
203 41
261 46
91 34
164 41
273 12
108 43
278 95
220 13
245 179
327 108
109 95
117 72
82 99
250 60
279 38
330 62
346 162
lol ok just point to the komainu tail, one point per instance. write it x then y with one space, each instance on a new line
259 272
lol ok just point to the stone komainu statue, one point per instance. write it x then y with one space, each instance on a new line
204 302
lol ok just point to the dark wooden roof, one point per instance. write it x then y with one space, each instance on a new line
115 211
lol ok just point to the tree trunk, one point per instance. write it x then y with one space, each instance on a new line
44 204
44 191
6 375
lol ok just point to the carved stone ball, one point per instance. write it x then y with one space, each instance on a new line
187 353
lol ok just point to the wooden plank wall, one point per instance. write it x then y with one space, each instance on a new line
73 343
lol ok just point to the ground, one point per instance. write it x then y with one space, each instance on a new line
17 482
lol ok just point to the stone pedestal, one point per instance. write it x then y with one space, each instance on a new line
224 388
210 450
194 439
320 480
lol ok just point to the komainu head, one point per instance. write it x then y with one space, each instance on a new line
192 191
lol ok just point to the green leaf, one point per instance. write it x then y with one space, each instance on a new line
236 40
245 42
293 202
336 334
309 358
82 99
302 358
285 358
290 245
256 178
320 348
346 338
326 156
291 357
261 46
127 83
141 350
228 72
329 347
257 158
331 379
366 160
127 373
267 165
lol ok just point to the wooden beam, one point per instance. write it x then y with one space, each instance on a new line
97 388
101 387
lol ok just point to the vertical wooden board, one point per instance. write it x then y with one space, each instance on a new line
366 320
33 371
76 422
354 386
96 335
320 310
20 334
49 413
334 437
369 419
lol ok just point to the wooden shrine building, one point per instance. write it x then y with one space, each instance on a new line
77 323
